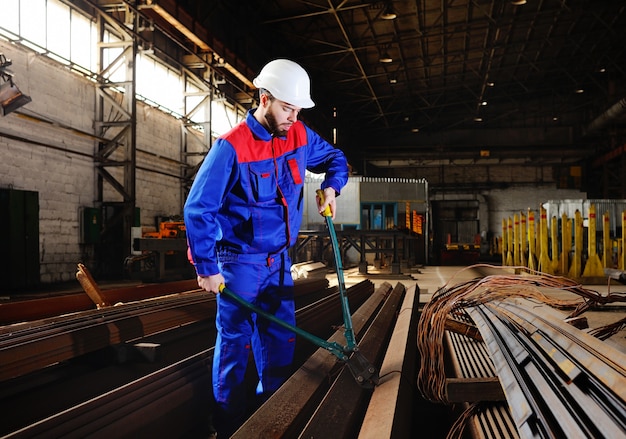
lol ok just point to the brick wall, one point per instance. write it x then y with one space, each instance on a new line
52 154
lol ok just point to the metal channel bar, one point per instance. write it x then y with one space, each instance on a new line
507 358
576 413
77 301
562 392
545 386
601 359
390 411
470 359
597 400
340 413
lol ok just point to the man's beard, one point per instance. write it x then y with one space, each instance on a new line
273 125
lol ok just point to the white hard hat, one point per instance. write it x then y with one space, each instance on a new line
287 81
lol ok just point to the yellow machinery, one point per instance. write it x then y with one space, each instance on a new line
590 261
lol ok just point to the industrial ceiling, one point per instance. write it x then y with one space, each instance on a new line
494 81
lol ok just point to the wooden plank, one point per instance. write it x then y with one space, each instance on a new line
463 329
474 389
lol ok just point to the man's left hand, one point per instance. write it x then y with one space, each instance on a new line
329 201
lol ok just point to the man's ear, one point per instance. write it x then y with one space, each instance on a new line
264 100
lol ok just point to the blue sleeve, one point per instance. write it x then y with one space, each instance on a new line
213 180
325 158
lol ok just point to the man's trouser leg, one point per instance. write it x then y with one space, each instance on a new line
270 287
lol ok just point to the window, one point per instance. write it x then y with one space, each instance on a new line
33 21
58 32
65 34
10 17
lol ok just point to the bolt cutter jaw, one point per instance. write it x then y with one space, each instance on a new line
364 373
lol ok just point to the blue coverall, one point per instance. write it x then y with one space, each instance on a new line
243 212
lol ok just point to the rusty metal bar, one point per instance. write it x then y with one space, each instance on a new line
71 302
28 310
299 396
165 402
340 413
30 348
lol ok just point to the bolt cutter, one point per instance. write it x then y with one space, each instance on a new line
362 370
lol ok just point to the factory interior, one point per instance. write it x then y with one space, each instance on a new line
472 283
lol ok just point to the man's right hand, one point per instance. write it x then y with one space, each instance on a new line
211 283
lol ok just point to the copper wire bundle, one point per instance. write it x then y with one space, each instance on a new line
607 331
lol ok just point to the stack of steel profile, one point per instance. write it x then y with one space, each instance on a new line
559 381
322 399
172 396
521 366
470 361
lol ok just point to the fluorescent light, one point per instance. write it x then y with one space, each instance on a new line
388 13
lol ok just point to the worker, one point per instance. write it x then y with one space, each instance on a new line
242 214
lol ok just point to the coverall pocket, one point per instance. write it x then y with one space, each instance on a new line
292 172
263 179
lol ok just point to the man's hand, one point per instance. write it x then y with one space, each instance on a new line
211 283
328 201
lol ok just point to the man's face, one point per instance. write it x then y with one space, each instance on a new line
281 116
